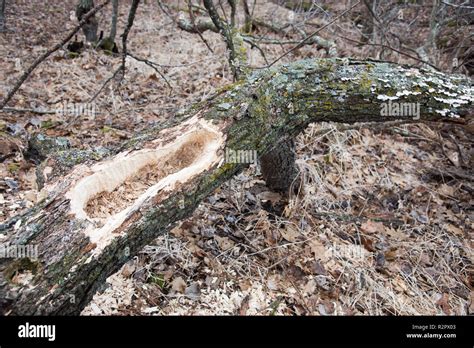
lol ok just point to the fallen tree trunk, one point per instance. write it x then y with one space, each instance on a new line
103 207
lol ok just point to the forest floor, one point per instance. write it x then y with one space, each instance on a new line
382 222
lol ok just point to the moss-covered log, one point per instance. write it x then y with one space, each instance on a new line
100 208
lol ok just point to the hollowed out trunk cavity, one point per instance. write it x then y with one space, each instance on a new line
129 179
106 204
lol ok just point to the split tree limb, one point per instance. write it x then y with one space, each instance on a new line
102 209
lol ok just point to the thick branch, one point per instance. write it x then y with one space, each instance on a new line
233 39
199 26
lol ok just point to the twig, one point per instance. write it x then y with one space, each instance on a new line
34 111
317 40
393 49
227 32
193 22
459 6
352 218
254 45
105 84
153 65
164 8
302 42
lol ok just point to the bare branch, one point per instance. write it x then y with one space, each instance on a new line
193 22
312 35
153 65
131 17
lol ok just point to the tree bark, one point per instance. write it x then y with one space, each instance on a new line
113 25
92 25
2 16
278 166
102 207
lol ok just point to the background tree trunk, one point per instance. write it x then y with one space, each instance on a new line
113 26
85 229
92 25
2 16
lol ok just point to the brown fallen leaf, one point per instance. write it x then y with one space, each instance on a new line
8 146
372 227
453 156
178 285
367 243
455 230
391 255
290 233
471 303
244 306
269 196
224 243
22 278
443 302
128 269
326 307
318 249
446 190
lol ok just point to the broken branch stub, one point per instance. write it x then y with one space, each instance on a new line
101 209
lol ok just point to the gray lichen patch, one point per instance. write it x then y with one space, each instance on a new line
41 146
